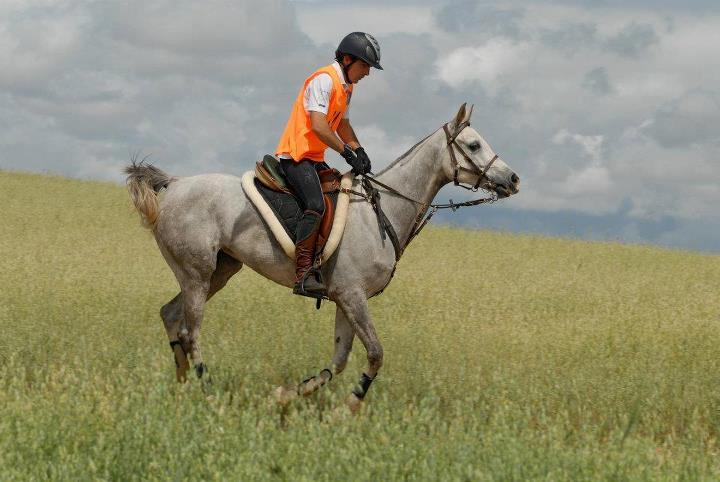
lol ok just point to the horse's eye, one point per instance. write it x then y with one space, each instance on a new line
474 146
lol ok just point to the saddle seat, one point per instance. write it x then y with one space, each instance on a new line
269 174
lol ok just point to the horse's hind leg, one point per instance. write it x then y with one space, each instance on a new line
173 314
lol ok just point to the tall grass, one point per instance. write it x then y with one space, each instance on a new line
506 358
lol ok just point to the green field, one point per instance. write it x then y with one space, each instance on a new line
549 360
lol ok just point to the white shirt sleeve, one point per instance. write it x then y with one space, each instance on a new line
317 94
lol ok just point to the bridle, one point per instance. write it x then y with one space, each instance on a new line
452 145
372 195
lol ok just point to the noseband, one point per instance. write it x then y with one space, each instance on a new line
479 171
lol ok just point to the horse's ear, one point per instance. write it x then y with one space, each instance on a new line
460 117
470 113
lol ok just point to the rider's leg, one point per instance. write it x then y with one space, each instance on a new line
304 180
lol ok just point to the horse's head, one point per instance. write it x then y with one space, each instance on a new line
469 159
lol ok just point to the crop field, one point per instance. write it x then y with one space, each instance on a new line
506 358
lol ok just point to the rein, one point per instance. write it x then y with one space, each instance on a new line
372 195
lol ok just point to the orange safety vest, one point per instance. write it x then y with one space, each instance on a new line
298 140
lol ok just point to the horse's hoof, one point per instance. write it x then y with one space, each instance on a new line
200 370
283 395
353 403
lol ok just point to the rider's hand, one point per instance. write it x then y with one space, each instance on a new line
352 158
364 159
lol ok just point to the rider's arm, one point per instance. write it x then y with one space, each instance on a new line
347 134
321 128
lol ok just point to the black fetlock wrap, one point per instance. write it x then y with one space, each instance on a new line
361 389
200 369
329 373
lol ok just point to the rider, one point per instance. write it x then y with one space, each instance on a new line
318 120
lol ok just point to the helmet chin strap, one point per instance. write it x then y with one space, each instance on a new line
346 67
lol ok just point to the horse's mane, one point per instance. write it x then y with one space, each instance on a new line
408 152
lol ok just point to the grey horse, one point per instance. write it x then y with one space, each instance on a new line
207 229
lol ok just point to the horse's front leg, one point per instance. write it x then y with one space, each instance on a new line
354 305
344 335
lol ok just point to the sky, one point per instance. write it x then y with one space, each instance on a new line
609 111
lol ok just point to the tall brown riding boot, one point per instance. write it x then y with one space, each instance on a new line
307 279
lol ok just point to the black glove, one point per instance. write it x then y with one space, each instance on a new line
363 157
352 159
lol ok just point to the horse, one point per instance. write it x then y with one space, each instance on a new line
207 229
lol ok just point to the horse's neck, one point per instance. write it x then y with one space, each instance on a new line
418 176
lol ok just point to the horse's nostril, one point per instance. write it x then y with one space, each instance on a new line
514 178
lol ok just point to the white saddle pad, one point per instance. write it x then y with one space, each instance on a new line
338 225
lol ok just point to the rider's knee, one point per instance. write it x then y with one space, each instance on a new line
317 206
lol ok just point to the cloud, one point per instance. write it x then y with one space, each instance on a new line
597 81
633 40
471 17
591 180
592 145
485 63
380 148
184 81
570 37
690 119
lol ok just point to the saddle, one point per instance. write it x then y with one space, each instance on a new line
271 183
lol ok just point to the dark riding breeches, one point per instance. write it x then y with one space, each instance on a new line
304 179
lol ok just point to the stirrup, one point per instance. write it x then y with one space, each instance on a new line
319 291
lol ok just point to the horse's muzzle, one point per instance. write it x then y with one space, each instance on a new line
509 187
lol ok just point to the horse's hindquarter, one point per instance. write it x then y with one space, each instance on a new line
215 207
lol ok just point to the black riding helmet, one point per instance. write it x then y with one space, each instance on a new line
359 45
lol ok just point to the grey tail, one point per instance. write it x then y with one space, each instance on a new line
144 181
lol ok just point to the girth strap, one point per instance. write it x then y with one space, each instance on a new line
373 196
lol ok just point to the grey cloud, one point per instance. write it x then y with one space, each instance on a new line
570 37
633 40
187 28
690 119
472 17
669 5
597 81
171 78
